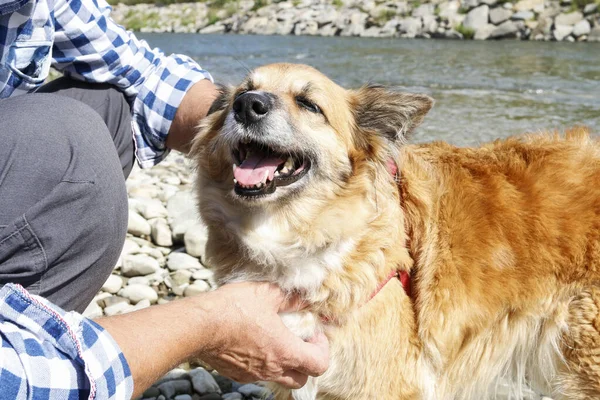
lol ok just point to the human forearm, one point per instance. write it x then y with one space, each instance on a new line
193 108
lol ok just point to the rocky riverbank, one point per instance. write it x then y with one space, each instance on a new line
547 20
162 261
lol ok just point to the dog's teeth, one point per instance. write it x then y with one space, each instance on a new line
276 173
259 185
289 164
234 180
266 176
284 170
234 167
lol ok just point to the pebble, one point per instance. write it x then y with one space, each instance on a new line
176 261
137 225
118 308
182 397
210 396
179 386
161 232
150 208
203 382
113 284
196 288
137 293
109 301
141 280
93 310
180 277
195 240
151 392
139 264
252 390
203 274
233 396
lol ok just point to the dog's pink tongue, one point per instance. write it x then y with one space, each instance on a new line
253 169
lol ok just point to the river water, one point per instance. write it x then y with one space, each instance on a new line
483 90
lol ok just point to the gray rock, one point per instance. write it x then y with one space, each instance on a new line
469 4
424 10
137 225
182 397
214 28
137 293
203 274
151 392
452 34
448 9
590 8
195 240
109 301
568 19
252 390
177 261
116 309
594 35
530 5
581 28
138 265
507 29
233 396
161 233
484 32
523 16
182 213
499 15
211 396
196 288
562 31
172 375
409 27
149 208
477 18
93 310
306 28
171 388
354 24
203 381
113 284
430 24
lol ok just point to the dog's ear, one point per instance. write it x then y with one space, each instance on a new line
390 113
222 99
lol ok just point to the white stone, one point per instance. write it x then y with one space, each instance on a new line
583 27
137 225
93 310
233 396
477 18
203 274
141 280
176 261
562 31
568 19
113 284
196 288
195 240
528 5
161 233
506 29
499 15
182 213
484 32
137 293
180 277
117 308
130 247
523 16
139 264
149 208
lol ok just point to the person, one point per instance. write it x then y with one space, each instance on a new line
67 148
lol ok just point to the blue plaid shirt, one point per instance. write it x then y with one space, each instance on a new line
47 353
78 38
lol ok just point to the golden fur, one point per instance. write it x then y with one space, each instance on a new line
501 242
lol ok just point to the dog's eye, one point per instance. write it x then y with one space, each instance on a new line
308 105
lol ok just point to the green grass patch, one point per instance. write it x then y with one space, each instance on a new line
467 33
259 4
338 3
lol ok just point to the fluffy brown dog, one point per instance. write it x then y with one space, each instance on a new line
297 185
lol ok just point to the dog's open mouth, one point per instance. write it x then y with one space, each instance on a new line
259 170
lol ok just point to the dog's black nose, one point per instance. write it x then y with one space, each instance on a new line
251 107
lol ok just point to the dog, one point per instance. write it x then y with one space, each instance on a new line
435 271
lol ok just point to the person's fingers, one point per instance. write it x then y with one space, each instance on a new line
292 302
292 379
311 357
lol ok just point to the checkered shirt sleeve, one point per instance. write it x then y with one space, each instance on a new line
47 353
89 45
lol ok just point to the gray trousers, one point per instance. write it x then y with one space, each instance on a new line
65 153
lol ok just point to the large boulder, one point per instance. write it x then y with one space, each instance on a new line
499 15
581 28
477 18
506 30
568 19
562 31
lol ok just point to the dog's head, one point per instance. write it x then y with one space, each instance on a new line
289 131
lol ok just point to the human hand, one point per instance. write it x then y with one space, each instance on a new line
250 341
